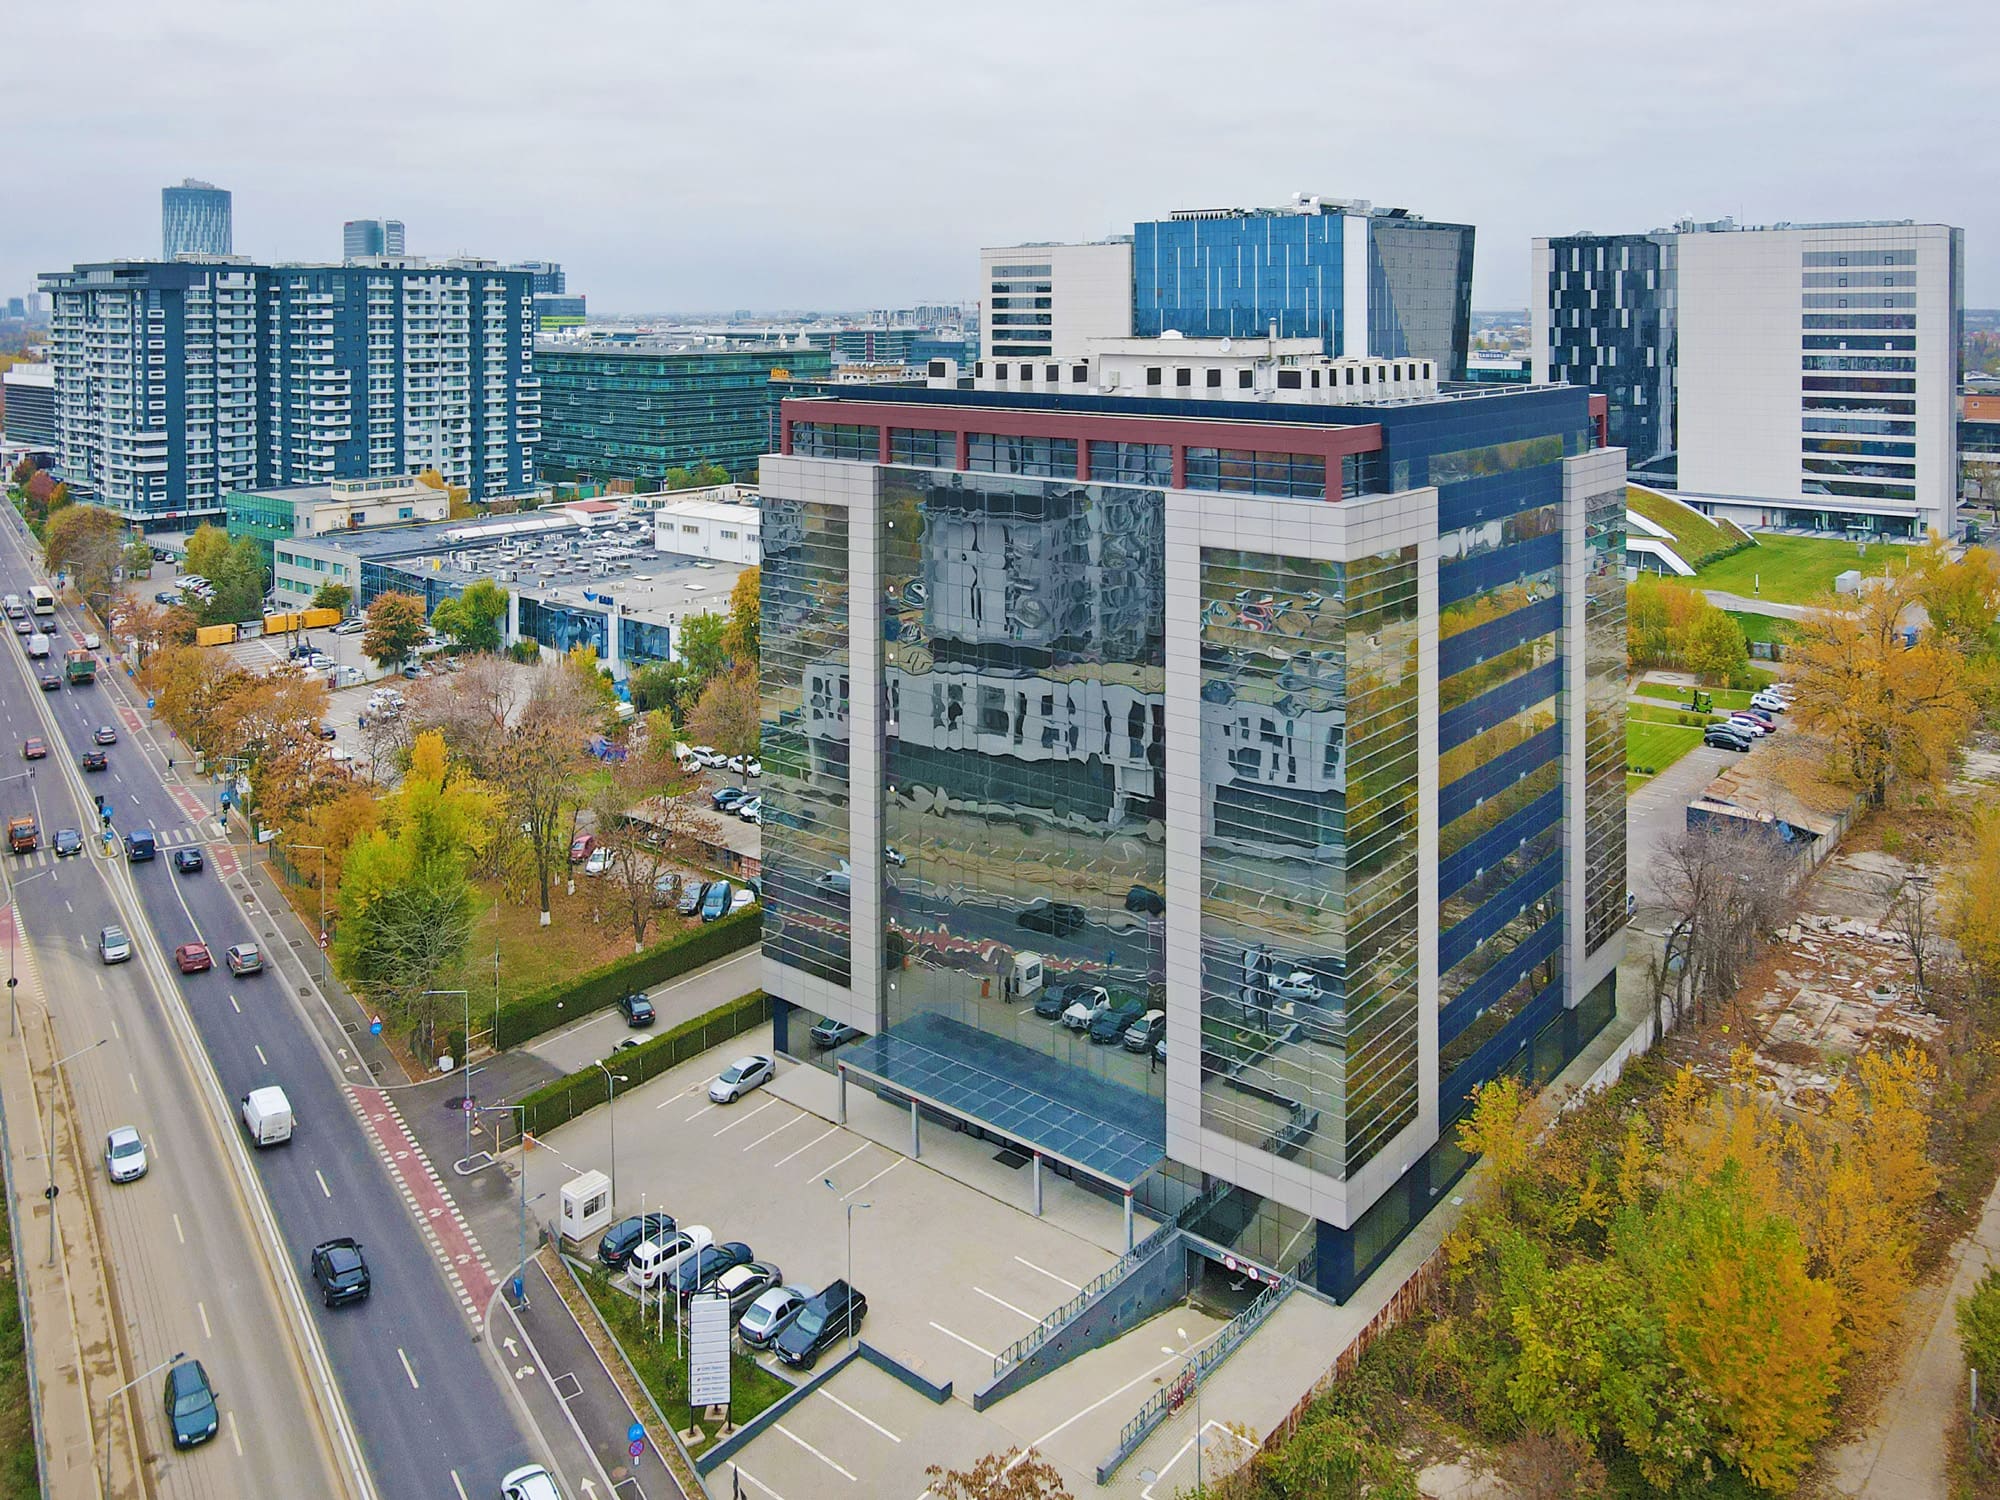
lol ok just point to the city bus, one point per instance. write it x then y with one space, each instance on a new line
43 601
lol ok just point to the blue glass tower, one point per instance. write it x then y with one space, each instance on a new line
194 220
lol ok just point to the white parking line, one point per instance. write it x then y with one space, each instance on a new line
968 1343
406 1368
780 1426
178 1234
847 1158
1077 1416
807 1146
750 1116
260 1054
206 1331
234 1006
691 1118
780 1130
746 1474
870 1421
322 1183
457 1485
877 1178
1019 1311
1072 1285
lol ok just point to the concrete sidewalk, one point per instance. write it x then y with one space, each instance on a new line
71 1328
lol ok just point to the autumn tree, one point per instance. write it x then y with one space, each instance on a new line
1888 707
458 503
140 628
650 823
1972 904
396 628
539 762
728 715
1714 646
137 559
740 639
333 596
333 825
188 685
1012 1475
1978 1318
85 541
235 570
1961 596
476 618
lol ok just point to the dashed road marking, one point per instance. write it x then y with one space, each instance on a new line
206 1331
407 1370
178 1233
322 1183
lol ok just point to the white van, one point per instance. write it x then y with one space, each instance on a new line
656 1259
267 1115
38 645
14 607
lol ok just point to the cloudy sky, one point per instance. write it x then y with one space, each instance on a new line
855 153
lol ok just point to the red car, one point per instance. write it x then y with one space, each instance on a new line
581 847
33 750
193 958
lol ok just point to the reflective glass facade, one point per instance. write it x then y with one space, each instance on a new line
1023 764
1420 291
1611 302
1604 718
806 700
1309 853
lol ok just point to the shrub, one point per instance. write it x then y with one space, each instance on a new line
553 1005
1979 1331
555 1103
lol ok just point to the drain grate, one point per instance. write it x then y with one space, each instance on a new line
1014 1160
352 1028
298 942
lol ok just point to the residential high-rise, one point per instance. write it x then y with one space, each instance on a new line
1800 375
365 237
1360 279
634 410
1275 695
179 382
1042 301
195 220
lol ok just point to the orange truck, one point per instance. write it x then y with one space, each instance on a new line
22 835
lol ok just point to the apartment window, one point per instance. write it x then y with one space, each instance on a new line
1152 375
1183 378
1079 374
999 372
1243 379
727 536
1052 374
1214 380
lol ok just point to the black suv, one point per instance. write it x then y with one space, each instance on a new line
339 1272
1057 918
821 1323
637 1008
627 1235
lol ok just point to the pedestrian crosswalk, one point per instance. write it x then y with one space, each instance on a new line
166 838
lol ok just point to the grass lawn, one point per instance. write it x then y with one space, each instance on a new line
752 1388
1656 746
1725 698
1795 569
1696 537
18 1479
1767 628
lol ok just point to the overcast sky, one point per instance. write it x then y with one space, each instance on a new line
857 153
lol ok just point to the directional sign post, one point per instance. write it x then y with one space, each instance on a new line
708 1350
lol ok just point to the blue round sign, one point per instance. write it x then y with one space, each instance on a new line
375 1027
635 1433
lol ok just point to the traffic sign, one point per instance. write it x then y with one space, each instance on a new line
635 1447
375 1027
635 1433
322 937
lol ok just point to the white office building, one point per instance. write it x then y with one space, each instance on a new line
1048 301
1811 370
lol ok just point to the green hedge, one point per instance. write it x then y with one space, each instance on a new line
557 1004
557 1103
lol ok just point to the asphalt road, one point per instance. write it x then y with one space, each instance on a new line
431 1417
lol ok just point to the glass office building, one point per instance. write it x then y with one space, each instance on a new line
1062 711
1608 302
195 220
1362 281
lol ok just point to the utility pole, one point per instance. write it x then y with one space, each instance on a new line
49 1137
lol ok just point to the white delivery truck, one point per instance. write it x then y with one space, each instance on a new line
267 1115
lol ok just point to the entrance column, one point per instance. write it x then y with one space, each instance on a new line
1129 1242
841 1073
1038 1184
916 1146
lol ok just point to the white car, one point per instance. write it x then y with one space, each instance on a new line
1086 1008
1770 702
530 1483
598 863
91 642
124 1155
350 627
741 1076
1300 984
750 809
746 765
706 756
1744 724
740 897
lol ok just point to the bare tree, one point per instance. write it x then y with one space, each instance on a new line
1911 913
1012 1475
475 708
1724 886
539 764
649 821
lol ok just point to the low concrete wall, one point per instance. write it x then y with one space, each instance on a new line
1149 1288
937 1395
730 1446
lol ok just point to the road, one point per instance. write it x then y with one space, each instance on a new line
431 1417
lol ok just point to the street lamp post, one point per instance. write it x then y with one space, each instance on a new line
465 1070
1194 1364
850 1253
520 1266
163 1364
611 1082
49 1136
320 850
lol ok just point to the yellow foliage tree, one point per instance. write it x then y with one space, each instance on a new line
1972 904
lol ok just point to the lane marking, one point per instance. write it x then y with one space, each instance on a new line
784 1127
858 1417
234 1006
746 1474
847 1158
1073 1286
100 984
134 1082
750 1116
807 1146
322 1183
179 1234
968 1343
780 1426
115 1031
877 1178
406 1368
234 1441
206 1331
458 1486
1022 1311
260 1054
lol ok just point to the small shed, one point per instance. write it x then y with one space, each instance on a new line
586 1205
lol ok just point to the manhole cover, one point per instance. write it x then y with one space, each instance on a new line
352 1028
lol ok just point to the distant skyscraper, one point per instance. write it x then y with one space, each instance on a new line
549 280
361 237
194 219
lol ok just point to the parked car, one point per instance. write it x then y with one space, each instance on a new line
692 890
598 863
580 847
187 861
1146 900
636 1008
124 1155
1722 737
340 1272
741 896
113 946
1771 702
1299 984
193 958
1761 715
34 749
1056 918
243 959
105 735
727 798
750 809
699 1272
832 1033
622 1238
820 1324
744 1284
94 760
1109 1025
652 1261
68 843
715 901
741 1076
350 627
1743 723
745 765
1147 1030
530 1483
192 1416
707 757
766 1318
1054 999
1087 1003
